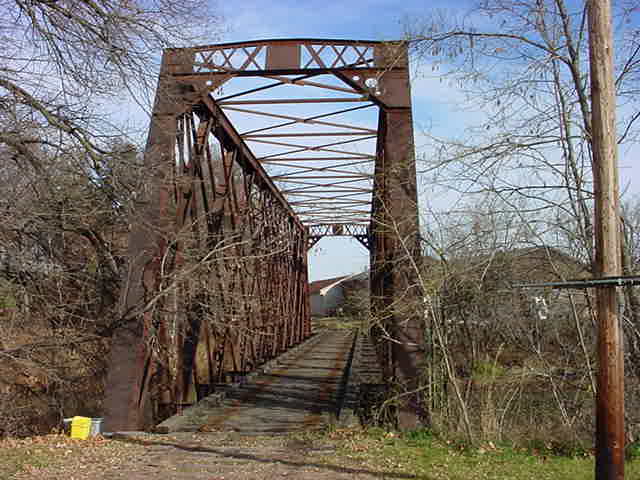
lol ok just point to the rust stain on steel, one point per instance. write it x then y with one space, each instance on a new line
230 241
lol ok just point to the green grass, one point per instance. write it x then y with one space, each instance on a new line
7 296
429 458
21 457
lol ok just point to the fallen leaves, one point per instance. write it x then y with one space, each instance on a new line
58 456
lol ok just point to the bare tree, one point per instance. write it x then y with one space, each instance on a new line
501 357
63 60
525 65
60 257
69 173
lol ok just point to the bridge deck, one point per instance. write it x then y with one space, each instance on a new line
302 392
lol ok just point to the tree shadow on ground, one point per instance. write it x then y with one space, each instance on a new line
238 455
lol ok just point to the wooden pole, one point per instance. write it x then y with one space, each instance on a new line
610 396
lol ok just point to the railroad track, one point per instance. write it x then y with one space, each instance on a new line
301 393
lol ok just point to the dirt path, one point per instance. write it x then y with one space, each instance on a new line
208 456
219 456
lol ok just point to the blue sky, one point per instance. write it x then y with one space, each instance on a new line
356 19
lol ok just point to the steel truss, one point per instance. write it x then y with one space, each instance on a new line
217 279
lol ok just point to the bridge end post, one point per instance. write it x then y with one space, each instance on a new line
132 364
395 255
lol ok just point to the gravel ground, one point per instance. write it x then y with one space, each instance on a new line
199 456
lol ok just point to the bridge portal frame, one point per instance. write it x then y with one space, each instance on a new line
185 109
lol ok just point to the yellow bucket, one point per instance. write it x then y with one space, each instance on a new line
80 427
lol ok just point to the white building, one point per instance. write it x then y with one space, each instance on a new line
327 297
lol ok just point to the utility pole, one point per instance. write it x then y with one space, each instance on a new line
610 397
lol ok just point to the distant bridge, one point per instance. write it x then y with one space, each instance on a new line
256 151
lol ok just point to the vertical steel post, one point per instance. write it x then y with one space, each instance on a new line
610 397
395 251
304 266
131 363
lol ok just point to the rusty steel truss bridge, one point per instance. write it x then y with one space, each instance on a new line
256 151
